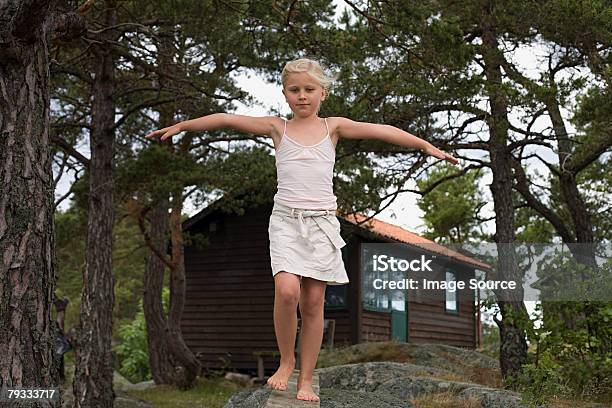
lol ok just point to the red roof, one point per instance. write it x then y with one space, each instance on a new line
397 233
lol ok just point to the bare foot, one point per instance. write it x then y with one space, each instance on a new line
279 379
305 391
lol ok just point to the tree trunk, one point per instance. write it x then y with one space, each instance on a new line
513 346
189 365
94 363
27 245
171 360
160 359
581 220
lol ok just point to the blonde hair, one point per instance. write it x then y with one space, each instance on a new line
312 67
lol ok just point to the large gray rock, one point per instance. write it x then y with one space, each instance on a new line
407 381
249 399
369 376
330 398
457 360
386 385
492 397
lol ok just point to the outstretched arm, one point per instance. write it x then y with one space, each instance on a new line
247 124
350 129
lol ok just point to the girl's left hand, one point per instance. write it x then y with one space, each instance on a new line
439 154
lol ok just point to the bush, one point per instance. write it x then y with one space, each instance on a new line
573 357
132 352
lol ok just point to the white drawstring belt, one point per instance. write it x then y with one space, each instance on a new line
320 217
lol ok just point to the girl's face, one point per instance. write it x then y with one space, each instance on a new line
303 94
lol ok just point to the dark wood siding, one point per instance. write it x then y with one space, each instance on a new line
230 292
342 334
375 326
430 322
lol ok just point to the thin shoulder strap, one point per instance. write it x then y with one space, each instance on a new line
285 131
326 127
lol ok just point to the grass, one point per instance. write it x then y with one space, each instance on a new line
445 400
208 393
366 352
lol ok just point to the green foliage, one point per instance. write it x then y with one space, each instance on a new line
490 340
451 208
573 357
128 265
542 381
70 229
133 350
246 177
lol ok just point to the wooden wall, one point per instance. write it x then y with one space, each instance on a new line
375 326
230 292
430 322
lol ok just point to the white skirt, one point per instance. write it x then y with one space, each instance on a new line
306 243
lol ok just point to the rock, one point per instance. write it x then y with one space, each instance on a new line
120 383
331 398
405 382
429 369
242 379
249 399
493 397
143 385
368 376
441 356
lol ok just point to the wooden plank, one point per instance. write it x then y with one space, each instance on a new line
440 332
432 321
197 310
205 346
209 321
438 336
286 399
456 343
218 285
236 293
203 279
229 329
252 264
197 301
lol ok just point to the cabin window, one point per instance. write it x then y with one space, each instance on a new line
374 298
335 295
451 295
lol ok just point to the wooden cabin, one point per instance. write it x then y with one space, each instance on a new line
230 291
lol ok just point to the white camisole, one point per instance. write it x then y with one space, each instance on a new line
305 173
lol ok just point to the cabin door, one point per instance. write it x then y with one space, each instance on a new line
398 325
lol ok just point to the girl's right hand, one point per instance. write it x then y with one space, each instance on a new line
165 132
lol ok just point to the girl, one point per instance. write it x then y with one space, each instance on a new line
304 232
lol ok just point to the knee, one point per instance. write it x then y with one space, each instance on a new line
287 295
311 307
